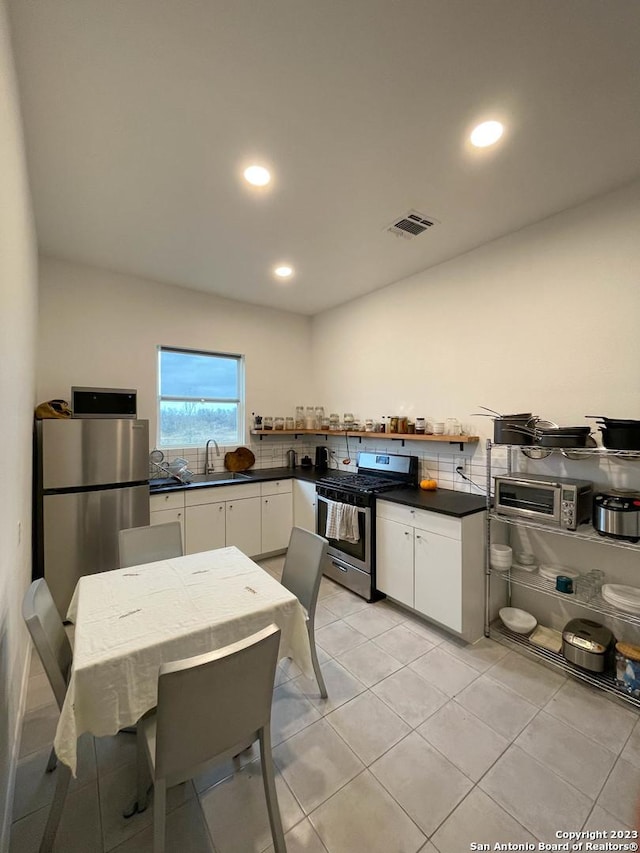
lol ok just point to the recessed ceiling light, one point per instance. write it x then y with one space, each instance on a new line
283 271
257 175
486 133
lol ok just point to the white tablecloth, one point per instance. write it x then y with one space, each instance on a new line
130 621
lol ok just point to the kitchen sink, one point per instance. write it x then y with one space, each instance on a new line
220 476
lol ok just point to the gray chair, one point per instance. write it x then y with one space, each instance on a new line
301 575
147 544
52 644
210 708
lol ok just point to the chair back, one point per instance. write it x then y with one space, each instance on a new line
147 544
49 637
302 571
210 703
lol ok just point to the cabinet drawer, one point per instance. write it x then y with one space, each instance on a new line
167 500
214 494
433 522
276 487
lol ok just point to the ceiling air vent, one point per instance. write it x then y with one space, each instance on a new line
411 225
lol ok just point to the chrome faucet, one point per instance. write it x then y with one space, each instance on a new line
208 467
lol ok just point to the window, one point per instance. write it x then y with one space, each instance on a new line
200 396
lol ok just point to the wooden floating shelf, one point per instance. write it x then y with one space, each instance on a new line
391 436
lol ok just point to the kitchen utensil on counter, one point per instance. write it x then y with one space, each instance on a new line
239 460
518 621
617 515
588 644
292 459
306 462
619 433
322 459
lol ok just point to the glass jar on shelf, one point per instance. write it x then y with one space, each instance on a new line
267 423
310 418
334 421
278 423
299 424
319 412
348 421
289 423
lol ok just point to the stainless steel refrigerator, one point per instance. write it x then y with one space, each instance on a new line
90 481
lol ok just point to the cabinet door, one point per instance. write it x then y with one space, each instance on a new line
205 527
438 578
243 525
277 519
394 560
161 516
304 505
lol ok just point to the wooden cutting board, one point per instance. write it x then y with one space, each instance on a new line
239 460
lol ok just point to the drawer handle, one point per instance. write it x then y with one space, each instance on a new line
406 533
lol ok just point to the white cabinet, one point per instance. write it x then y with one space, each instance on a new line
243 525
438 578
224 515
304 505
167 507
394 560
432 563
277 515
206 527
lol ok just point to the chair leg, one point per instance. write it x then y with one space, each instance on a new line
55 812
314 660
268 778
144 778
159 815
52 763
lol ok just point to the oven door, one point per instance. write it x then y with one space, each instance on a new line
536 501
358 553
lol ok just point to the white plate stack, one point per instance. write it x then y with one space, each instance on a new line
550 573
625 598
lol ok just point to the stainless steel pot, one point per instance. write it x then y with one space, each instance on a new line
617 516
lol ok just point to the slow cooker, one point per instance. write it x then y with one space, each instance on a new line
617 515
588 644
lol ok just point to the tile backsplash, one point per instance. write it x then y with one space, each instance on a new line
436 460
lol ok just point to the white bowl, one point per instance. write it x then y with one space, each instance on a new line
527 558
518 620
501 550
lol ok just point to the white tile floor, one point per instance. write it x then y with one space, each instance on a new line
424 744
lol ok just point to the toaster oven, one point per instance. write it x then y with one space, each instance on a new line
556 501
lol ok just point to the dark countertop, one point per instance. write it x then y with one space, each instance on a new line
444 501
257 475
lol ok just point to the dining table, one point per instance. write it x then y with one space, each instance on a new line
130 621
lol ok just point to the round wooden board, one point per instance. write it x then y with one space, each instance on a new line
239 460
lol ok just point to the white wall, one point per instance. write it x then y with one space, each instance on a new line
18 292
102 329
544 320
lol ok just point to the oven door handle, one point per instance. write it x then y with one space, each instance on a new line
361 509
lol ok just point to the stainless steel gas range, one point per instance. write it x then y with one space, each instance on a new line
350 498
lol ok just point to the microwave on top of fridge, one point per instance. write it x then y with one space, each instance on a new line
103 402
556 501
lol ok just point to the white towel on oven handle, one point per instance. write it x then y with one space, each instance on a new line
334 520
349 528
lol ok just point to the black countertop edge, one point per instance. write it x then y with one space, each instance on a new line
443 501
257 475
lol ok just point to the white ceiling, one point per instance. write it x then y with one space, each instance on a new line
140 114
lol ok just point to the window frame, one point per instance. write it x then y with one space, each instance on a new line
239 401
